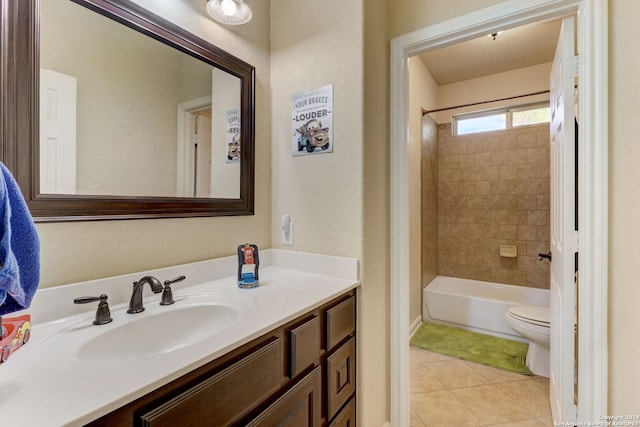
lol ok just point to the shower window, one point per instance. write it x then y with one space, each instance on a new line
532 115
497 119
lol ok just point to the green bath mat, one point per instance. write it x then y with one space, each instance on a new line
472 346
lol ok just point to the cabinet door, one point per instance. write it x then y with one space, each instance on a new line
220 399
341 376
304 344
339 322
347 416
298 407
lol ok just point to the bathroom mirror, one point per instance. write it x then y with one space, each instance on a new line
162 121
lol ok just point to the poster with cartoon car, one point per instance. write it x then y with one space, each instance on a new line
313 135
233 135
15 332
233 149
312 121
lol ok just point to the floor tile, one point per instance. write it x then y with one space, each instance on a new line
545 421
538 422
456 374
422 380
495 375
442 408
420 355
535 392
491 405
414 420
450 392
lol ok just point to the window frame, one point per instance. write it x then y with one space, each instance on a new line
508 111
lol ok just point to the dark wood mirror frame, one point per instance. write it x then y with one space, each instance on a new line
19 117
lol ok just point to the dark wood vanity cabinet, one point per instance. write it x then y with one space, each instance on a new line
300 374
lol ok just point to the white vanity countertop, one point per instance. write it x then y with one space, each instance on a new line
37 391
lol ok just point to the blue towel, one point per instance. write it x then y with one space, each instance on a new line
19 248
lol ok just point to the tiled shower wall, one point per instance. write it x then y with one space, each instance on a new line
493 189
429 188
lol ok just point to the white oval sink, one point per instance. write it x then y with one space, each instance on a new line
160 333
157 331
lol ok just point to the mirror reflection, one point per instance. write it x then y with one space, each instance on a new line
123 114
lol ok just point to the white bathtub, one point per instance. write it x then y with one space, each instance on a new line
476 305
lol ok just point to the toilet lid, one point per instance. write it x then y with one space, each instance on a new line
536 314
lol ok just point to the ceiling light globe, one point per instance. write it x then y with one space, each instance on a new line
229 12
228 7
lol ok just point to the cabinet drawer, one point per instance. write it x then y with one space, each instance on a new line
221 398
300 406
347 416
340 322
341 378
304 346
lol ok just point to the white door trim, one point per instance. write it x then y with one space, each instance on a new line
593 184
184 144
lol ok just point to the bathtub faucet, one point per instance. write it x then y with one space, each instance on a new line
542 256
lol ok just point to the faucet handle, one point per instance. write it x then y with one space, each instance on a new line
103 314
167 293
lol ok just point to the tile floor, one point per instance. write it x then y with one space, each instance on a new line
446 391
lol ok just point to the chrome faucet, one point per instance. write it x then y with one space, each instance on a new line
135 305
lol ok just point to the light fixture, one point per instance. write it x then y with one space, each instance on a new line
230 12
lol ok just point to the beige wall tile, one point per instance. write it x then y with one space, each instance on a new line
537 217
509 172
467 160
542 234
543 202
539 279
430 193
527 232
518 217
494 189
535 248
508 232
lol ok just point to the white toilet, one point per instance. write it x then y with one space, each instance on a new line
532 322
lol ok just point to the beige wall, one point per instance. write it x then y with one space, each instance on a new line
373 353
373 356
322 193
79 251
624 208
494 190
501 85
406 16
315 44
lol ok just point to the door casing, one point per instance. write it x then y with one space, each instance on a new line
592 179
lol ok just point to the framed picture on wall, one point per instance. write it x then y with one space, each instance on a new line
233 136
312 121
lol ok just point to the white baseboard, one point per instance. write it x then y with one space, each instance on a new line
414 326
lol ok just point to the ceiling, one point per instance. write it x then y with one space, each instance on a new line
519 47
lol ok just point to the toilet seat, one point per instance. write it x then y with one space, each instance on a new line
532 314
